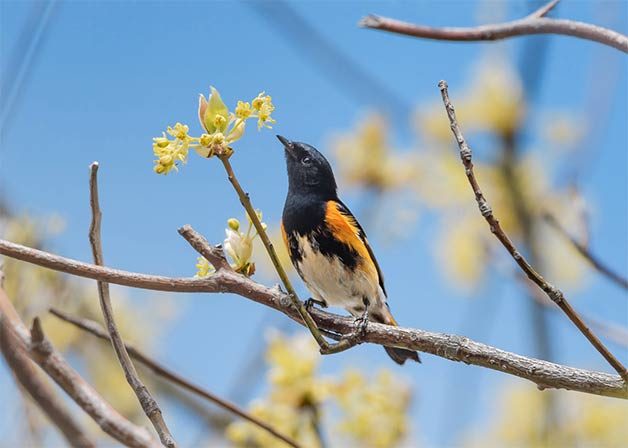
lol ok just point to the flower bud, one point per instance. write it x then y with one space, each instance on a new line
233 224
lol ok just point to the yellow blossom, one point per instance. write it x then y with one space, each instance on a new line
243 110
264 106
203 268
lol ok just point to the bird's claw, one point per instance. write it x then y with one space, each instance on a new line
309 304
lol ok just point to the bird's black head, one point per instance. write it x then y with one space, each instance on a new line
309 171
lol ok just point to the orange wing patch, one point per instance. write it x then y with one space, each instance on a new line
345 229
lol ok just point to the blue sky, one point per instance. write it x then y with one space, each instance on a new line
108 76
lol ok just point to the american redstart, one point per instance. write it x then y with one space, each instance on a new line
327 245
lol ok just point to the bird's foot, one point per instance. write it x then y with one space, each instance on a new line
361 323
309 303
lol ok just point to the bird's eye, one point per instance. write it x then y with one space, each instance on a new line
307 161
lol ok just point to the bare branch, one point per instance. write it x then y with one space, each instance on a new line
550 290
586 253
159 369
148 403
214 254
39 390
456 348
44 354
535 23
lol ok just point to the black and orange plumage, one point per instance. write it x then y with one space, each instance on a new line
327 245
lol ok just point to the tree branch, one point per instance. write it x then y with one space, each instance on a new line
535 23
586 253
148 403
44 354
159 369
39 390
456 348
550 290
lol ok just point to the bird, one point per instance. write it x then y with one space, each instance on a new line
328 247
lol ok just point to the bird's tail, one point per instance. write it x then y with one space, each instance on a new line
399 355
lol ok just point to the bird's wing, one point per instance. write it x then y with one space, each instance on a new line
348 230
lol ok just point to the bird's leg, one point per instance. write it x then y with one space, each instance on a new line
362 321
355 337
309 303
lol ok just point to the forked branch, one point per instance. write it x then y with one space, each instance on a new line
44 354
535 23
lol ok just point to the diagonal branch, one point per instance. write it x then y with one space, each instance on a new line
148 403
159 369
550 290
44 354
456 348
325 347
586 253
39 390
535 23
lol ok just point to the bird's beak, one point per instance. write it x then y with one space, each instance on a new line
286 143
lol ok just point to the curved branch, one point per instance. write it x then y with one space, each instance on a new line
535 23
456 348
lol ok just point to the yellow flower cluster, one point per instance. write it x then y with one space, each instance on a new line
170 152
585 421
222 128
372 412
238 245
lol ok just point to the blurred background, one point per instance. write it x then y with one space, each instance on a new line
545 115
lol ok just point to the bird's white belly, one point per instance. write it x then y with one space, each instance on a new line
330 281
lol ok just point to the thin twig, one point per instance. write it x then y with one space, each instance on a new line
159 369
148 403
44 354
39 390
535 23
325 347
456 348
611 331
552 292
586 253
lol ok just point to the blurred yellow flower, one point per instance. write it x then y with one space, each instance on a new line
585 420
494 102
366 159
373 411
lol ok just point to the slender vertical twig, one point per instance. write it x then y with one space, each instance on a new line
148 403
485 209
325 347
159 369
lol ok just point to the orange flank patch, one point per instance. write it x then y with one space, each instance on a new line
345 229
284 235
